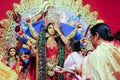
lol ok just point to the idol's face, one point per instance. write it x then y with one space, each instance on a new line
12 52
51 30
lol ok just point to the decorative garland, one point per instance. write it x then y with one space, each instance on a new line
60 57
42 71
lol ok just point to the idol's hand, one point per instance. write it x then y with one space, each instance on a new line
56 28
29 20
16 17
79 26
83 40
19 30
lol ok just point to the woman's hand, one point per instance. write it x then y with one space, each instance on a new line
78 70
59 70
63 70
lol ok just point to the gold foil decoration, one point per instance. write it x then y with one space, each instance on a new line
16 7
5 23
2 32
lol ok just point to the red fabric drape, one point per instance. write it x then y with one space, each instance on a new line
108 10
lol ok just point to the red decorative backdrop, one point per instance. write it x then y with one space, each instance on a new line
109 10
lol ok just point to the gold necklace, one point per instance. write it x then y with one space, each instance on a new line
50 38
